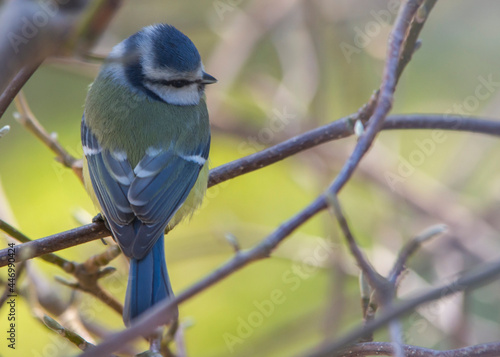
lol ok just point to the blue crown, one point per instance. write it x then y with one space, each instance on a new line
173 49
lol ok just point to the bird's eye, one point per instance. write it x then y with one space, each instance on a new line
178 83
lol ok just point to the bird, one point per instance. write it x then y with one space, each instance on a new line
146 139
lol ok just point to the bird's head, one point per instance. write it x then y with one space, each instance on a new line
163 63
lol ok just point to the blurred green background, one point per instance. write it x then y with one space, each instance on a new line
285 67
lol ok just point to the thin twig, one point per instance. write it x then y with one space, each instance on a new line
385 97
92 24
89 273
169 337
154 317
382 287
376 281
336 130
386 349
407 251
371 282
412 38
30 122
69 335
343 128
470 280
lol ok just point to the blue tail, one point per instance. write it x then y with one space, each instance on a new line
148 283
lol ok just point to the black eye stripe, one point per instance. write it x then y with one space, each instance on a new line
177 83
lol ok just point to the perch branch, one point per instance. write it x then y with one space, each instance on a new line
51 258
156 317
87 273
343 128
57 242
335 130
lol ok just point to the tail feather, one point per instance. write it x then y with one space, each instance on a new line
148 283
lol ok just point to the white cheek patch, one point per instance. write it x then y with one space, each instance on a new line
187 95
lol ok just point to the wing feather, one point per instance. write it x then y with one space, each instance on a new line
139 202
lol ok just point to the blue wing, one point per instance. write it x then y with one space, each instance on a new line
139 202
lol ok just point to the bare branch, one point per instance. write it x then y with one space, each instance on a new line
383 288
335 130
407 251
30 122
15 86
74 338
89 272
57 242
343 128
385 97
69 335
376 281
66 265
73 26
470 280
386 349
147 322
411 43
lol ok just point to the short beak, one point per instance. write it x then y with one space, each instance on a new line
208 79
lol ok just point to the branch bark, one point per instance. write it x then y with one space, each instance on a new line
335 130
157 315
385 349
73 26
57 242
469 281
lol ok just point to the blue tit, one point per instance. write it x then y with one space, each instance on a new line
146 139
